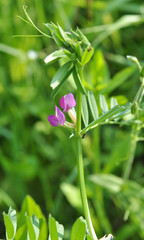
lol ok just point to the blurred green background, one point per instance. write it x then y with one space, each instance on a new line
39 160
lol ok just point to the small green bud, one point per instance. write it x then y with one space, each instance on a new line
134 60
88 53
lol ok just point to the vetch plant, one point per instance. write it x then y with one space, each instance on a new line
76 51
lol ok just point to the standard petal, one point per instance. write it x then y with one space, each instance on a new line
53 120
63 103
69 98
60 116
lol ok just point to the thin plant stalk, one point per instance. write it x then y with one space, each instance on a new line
81 168
135 132
129 164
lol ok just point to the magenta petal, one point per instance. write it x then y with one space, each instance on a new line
70 100
63 103
60 116
53 120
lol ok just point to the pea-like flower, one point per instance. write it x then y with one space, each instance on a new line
67 102
57 119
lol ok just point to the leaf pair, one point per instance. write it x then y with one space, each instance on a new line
28 226
115 112
93 107
10 220
30 223
56 230
62 75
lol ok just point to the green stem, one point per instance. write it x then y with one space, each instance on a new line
81 168
129 164
98 194
135 132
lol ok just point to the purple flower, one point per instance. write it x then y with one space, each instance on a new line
67 102
59 119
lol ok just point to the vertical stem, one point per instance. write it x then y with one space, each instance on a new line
135 132
81 168
98 195
129 164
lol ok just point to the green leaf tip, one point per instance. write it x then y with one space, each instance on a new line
113 102
88 53
103 104
56 230
10 221
54 56
93 105
85 113
134 60
79 229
